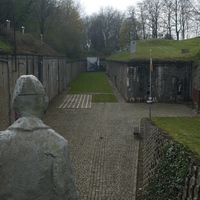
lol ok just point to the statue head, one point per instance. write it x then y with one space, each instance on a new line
29 98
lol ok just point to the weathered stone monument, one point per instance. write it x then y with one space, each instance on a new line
34 159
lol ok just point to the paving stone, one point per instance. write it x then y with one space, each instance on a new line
103 149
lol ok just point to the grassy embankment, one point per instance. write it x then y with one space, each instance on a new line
4 47
166 50
95 83
183 129
177 161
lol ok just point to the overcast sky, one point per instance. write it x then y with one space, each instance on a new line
93 6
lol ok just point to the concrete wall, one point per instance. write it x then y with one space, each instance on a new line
55 73
153 140
171 81
196 77
118 74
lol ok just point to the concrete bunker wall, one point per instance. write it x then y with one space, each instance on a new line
55 73
171 81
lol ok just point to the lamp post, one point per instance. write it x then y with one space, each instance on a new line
41 37
8 25
150 100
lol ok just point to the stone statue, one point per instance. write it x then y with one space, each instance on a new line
34 159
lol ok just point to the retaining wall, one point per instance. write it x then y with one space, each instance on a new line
153 141
55 73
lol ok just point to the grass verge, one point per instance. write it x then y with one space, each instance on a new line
93 82
90 82
185 130
104 98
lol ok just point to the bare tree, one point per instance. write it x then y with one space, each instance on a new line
130 28
142 18
194 26
177 17
167 17
104 28
185 16
153 9
111 21
135 24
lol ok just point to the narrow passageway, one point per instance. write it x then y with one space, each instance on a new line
103 149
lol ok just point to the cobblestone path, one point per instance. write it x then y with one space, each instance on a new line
103 150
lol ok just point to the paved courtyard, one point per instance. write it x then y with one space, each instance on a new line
103 149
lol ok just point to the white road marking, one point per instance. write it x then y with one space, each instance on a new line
76 101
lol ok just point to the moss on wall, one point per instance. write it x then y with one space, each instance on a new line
171 172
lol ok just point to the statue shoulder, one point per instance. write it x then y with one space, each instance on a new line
5 135
58 138
28 124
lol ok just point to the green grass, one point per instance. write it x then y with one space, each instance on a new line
5 47
93 82
90 82
185 130
104 98
162 49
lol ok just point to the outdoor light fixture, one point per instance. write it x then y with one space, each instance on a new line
150 100
41 37
23 28
8 24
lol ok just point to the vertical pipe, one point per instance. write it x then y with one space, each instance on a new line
150 97
33 64
27 71
58 76
9 99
